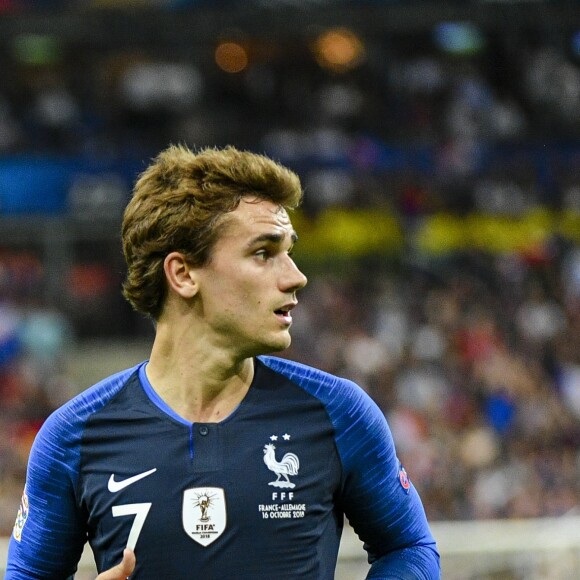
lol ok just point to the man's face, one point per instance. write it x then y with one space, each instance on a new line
249 286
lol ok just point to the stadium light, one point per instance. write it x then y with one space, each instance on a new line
339 49
231 57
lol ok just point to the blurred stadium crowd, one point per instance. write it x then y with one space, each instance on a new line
440 232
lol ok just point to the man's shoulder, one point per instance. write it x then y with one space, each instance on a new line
77 410
58 441
348 405
312 379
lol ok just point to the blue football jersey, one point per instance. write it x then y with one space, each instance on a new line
260 495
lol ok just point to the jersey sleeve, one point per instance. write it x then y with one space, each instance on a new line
50 530
377 497
49 533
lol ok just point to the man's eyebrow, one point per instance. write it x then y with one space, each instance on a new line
274 238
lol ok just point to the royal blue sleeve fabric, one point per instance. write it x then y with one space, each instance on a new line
378 499
49 534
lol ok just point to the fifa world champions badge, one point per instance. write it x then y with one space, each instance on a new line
404 479
204 514
21 517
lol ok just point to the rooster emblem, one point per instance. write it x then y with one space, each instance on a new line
288 466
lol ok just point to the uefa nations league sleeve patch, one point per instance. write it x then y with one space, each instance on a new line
404 479
21 517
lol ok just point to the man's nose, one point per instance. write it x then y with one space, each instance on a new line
293 278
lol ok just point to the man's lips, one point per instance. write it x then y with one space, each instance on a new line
284 311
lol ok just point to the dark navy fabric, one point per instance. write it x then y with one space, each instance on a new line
260 495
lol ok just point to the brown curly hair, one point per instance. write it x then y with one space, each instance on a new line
177 204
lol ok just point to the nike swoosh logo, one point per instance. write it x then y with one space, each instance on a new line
114 486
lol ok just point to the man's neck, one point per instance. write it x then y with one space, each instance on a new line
199 382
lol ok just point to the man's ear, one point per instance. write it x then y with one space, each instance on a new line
180 275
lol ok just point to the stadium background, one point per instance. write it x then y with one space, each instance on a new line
439 147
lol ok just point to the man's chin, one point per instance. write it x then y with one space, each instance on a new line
277 345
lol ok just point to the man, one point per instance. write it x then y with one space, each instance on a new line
211 460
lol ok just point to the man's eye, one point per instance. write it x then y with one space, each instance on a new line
263 254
